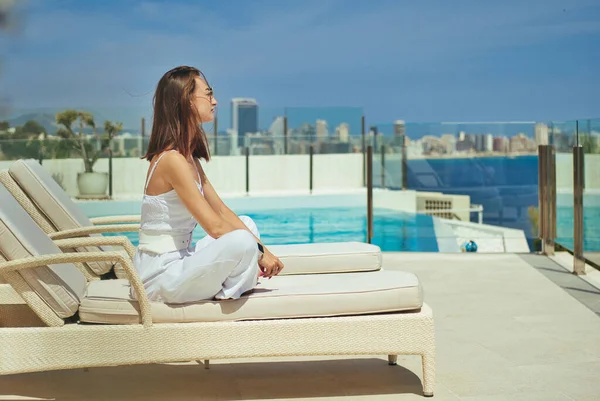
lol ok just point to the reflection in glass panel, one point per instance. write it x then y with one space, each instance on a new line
589 139
562 135
465 182
248 125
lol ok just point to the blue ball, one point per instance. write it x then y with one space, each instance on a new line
471 246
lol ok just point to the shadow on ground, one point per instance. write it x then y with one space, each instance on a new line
223 381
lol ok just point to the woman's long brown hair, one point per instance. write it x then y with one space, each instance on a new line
176 123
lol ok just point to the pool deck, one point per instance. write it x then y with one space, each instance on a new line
508 327
593 257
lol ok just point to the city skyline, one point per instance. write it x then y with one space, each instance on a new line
254 120
454 140
429 61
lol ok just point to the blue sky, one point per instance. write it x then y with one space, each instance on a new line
427 60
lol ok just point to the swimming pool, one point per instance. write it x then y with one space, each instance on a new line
591 227
393 230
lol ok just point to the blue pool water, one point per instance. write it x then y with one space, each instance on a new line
393 231
505 186
591 228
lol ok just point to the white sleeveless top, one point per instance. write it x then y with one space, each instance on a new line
165 213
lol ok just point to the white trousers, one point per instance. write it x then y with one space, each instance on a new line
220 268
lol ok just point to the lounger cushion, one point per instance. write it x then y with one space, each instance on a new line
335 257
54 203
108 301
61 286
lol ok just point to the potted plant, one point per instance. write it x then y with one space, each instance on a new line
91 184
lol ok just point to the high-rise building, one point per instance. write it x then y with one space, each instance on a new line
484 142
244 118
322 130
489 143
276 131
372 136
343 132
399 128
501 144
520 143
450 141
399 133
277 126
479 143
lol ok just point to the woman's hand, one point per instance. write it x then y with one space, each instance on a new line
269 264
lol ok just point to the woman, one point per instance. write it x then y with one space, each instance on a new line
178 196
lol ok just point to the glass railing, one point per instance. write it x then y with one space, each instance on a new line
327 129
260 129
436 185
257 129
589 139
567 138
245 173
14 149
464 182
562 136
388 150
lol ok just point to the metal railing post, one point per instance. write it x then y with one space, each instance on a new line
383 166
369 193
110 169
285 135
42 148
141 139
310 168
404 164
363 140
247 151
216 135
578 186
547 198
542 198
551 200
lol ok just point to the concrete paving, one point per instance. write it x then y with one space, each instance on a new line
593 257
505 331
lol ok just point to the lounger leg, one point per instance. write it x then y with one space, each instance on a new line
392 359
428 374
205 363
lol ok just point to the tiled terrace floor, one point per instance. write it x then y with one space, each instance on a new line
505 331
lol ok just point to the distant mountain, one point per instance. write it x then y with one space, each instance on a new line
46 120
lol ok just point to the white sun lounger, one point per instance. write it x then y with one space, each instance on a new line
95 323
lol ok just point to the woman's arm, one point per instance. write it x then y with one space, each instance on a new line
217 204
270 264
176 171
